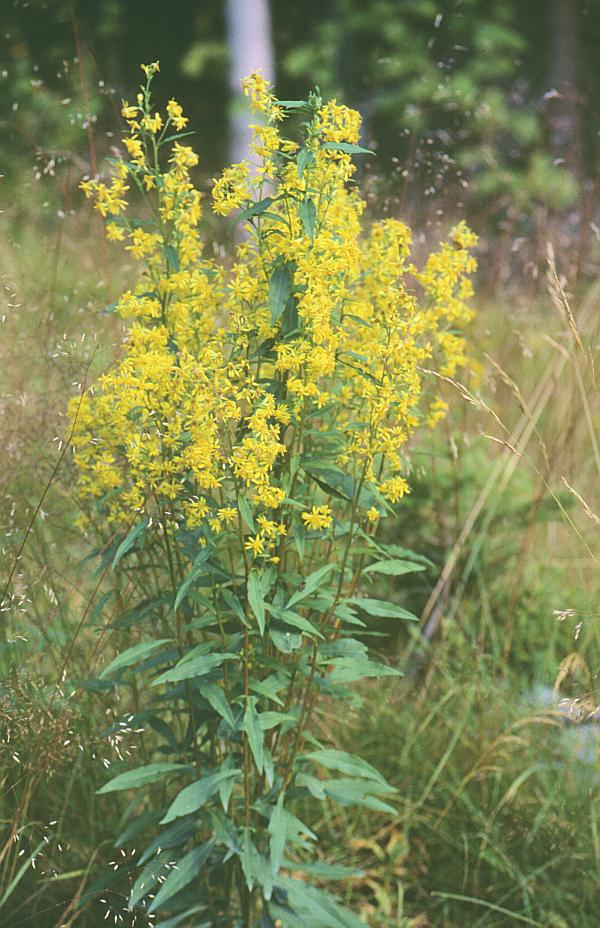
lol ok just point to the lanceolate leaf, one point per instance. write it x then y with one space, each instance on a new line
149 877
196 667
347 791
304 160
174 836
379 607
311 907
251 725
394 568
196 794
129 541
196 571
255 210
346 670
277 834
256 600
280 287
312 583
141 776
187 869
133 655
308 216
295 620
216 697
347 148
345 763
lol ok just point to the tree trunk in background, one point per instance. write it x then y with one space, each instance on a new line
563 108
250 49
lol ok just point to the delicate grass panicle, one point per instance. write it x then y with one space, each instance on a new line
242 451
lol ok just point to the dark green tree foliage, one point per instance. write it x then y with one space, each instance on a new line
456 93
448 92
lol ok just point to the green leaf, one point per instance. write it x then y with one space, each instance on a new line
277 834
351 792
249 859
215 696
269 688
255 210
307 212
132 655
345 763
199 666
335 482
347 148
129 541
305 159
261 871
176 920
293 619
132 828
312 583
196 794
172 257
246 512
312 906
176 136
141 776
324 870
251 726
256 599
294 104
393 550
196 571
346 670
280 287
343 612
284 641
28 862
395 568
272 719
149 877
176 834
187 870
378 607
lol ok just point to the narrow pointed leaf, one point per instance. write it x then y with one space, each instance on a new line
215 696
196 794
256 600
251 725
277 834
129 541
187 870
132 655
141 776
280 287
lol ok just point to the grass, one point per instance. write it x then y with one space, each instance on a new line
498 820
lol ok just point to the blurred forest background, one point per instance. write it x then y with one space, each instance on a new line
483 109
491 105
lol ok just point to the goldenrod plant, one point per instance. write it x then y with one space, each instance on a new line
242 451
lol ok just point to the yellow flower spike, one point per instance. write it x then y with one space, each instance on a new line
152 123
128 111
175 114
188 413
150 69
319 517
115 233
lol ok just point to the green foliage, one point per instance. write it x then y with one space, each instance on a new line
448 82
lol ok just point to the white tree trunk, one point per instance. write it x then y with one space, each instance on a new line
250 49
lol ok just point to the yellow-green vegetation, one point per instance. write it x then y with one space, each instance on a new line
216 706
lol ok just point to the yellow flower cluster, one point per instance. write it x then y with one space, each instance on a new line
310 344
